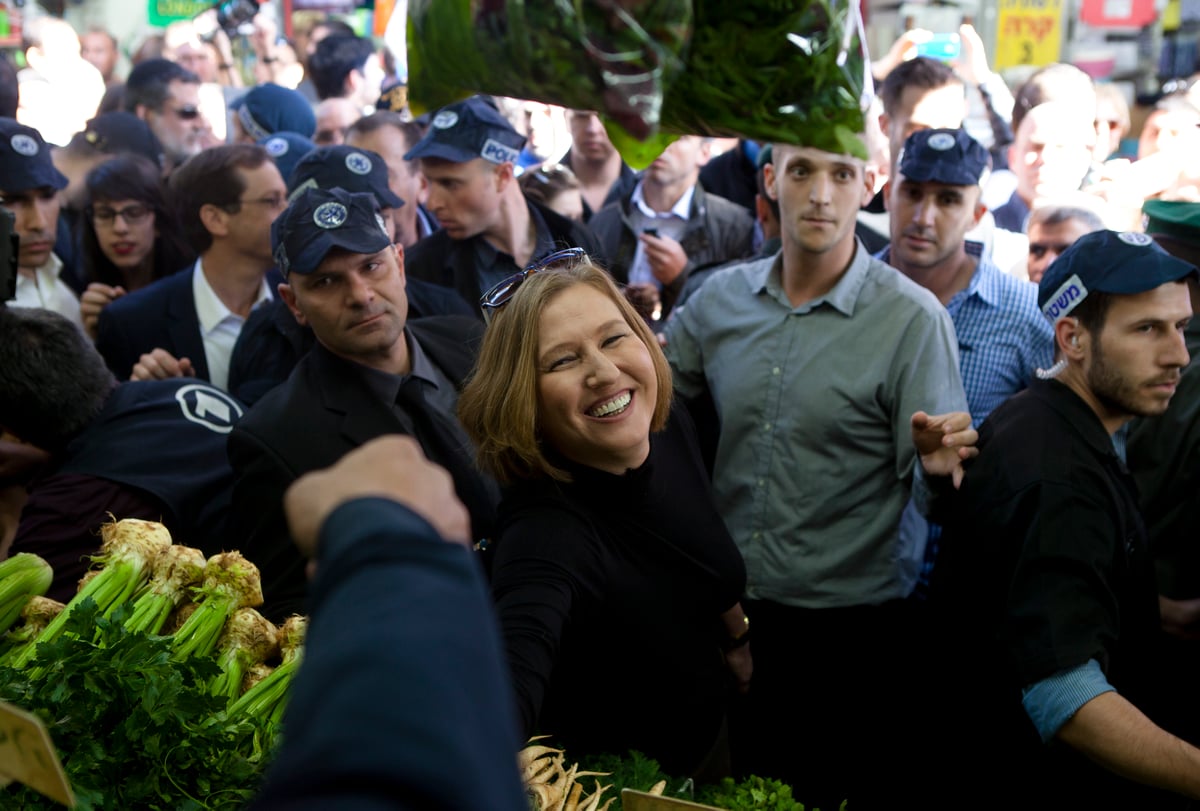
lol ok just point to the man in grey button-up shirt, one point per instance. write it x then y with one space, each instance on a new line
817 359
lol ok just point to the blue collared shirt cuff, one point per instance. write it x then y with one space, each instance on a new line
1052 702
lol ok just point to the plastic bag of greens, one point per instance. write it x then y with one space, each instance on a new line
774 70
614 56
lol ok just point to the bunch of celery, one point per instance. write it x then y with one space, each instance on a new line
230 582
128 551
264 703
35 616
22 576
176 570
249 639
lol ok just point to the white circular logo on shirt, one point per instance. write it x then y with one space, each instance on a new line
358 163
276 147
208 407
24 145
1134 238
330 215
941 141
445 120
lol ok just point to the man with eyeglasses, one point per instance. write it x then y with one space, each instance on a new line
30 189
1054 228
167 97
186 325
373 371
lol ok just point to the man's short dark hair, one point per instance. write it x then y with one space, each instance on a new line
1093 311
922 72
210 178
376 121
149 83
53 383
336 57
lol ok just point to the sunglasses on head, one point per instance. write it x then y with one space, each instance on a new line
503 292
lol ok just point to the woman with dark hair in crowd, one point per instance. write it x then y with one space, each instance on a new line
128 235
616 582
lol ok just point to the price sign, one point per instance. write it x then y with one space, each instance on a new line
1028 32
28 756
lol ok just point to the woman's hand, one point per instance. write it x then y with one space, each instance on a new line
94 299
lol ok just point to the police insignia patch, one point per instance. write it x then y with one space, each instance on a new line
941 141
1134 238
358 163
24 145
330 215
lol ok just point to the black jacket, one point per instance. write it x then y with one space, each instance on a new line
323 411
451 262
718 231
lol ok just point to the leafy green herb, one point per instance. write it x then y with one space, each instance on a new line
134 728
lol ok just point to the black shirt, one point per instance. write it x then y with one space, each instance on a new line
609 591
1044 566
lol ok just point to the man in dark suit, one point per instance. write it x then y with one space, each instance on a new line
187 324
489 229
271 342
450 739
370 373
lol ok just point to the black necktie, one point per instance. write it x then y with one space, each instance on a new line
445 444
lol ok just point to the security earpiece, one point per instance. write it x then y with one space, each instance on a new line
1074 340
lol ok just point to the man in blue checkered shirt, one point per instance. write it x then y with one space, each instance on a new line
1003 339
933 201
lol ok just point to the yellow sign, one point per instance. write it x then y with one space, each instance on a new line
1028 32
27 756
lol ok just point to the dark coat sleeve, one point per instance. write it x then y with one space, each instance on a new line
402 701
257 523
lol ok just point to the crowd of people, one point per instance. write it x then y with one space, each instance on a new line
874 476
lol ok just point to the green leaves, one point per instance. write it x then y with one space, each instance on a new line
134 728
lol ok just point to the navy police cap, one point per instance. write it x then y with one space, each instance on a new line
469 129
25 162
344 167
943 156
1120 263
319 220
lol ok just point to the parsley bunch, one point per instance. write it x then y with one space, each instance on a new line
134 728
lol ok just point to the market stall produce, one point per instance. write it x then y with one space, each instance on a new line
761 69
141 718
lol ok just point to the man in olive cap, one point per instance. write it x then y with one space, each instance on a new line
1045 580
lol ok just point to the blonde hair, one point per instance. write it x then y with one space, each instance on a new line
499 405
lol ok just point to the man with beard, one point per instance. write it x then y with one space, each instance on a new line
1045 582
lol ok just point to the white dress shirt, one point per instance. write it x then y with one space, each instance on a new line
219 327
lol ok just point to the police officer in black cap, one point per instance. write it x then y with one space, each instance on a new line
271 343
371 372
933 201
489 229
30 188
1046 581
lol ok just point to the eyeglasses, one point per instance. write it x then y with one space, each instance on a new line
502 293
105 215
1039 249
186 113
274 202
